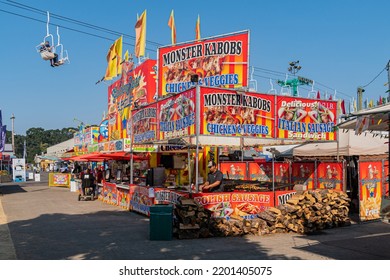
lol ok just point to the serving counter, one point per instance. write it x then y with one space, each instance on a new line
239 204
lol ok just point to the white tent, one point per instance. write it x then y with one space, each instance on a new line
349 145
377 119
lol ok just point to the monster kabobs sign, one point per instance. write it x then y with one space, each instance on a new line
218 61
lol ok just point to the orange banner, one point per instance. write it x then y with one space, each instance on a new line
300 118
303 174
330 175
234 170
370 190
219 62
260 171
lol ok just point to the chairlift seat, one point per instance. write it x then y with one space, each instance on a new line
285 90
60 62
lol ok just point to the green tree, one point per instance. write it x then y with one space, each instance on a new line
38 140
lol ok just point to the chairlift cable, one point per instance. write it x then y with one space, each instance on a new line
82 23
26 7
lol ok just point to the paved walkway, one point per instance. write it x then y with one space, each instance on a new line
42 223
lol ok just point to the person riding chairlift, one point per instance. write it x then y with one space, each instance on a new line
47 53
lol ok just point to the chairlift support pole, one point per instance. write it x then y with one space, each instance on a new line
47 23
294 83
58 36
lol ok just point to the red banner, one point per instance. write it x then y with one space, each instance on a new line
219 62
330 175
370 190
300 118
236 204
303 174
233 113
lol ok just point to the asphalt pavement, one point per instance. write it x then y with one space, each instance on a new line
38 222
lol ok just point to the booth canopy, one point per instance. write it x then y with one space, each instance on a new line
349 145
106 156
378 119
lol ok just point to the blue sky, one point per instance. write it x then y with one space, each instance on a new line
340 45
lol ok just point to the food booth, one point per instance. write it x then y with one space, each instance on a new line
202 104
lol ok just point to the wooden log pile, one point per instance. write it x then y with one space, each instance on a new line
304 212
191 219
308 212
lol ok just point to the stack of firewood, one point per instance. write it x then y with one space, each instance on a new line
306 212
191 219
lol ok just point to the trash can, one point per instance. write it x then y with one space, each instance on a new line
161 216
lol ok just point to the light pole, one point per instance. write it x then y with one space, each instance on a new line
13 133
388 80
294 83
294 67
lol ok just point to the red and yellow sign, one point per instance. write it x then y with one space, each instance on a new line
305 119
59 180
370 190
176 115
236 204
233 113
136 87
330 175
219 62
303 174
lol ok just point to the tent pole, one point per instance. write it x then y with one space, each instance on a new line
338 143
189 169
131 152
197 122
273 176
